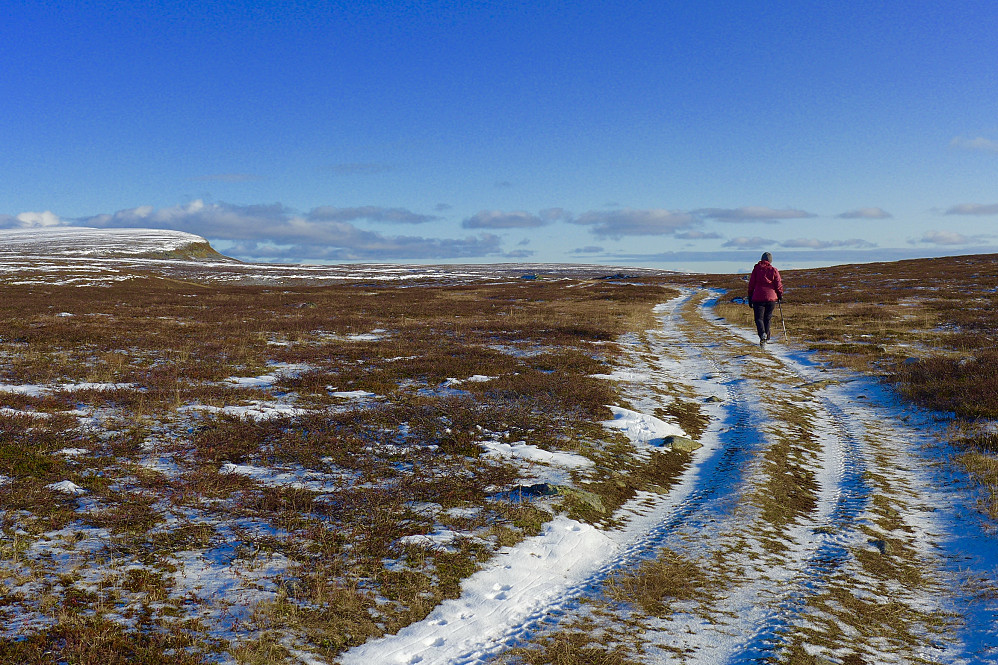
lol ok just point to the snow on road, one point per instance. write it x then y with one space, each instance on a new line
876 564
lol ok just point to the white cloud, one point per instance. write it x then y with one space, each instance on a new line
826 244
697 235
866 213
749 243
973 209
497 219
34 220
751 214
369 213
218 220
945 238
272 231
554 214
366 246
979 143
630 222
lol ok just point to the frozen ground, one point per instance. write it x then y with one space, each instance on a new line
891 531
885 562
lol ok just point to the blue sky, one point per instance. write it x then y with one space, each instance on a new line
687 135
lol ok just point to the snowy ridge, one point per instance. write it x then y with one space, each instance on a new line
70 242
78 256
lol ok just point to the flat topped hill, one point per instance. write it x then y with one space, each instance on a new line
82 242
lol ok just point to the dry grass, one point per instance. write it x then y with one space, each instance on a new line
153 469
657 585
611 630
618 477
841 616
688 415
788 491
584 642
88 640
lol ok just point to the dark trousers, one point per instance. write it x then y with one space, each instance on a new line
763 315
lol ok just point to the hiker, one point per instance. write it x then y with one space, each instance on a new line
765 289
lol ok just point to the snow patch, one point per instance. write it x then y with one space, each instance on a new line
281 370
313 481
66 487
641 428
623 374
525 451
350 394
436 540
532 575
476 378
255 410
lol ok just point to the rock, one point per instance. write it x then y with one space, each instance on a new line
714 399
681 443
538 489
586 497
881 545
911 361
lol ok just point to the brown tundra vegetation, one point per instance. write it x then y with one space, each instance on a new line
194 471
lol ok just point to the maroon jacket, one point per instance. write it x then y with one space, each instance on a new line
765 284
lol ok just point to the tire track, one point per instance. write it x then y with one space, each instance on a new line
702 502
832 569
797 579
825 542
815 552
716 505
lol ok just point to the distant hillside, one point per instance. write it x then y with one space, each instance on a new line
81 242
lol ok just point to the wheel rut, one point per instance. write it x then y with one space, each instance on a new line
806 499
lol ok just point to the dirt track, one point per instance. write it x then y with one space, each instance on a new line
817 501
816 521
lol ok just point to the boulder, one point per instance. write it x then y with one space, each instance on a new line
538 489
589 498
681 443
881 545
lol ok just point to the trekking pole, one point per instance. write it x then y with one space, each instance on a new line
783 320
